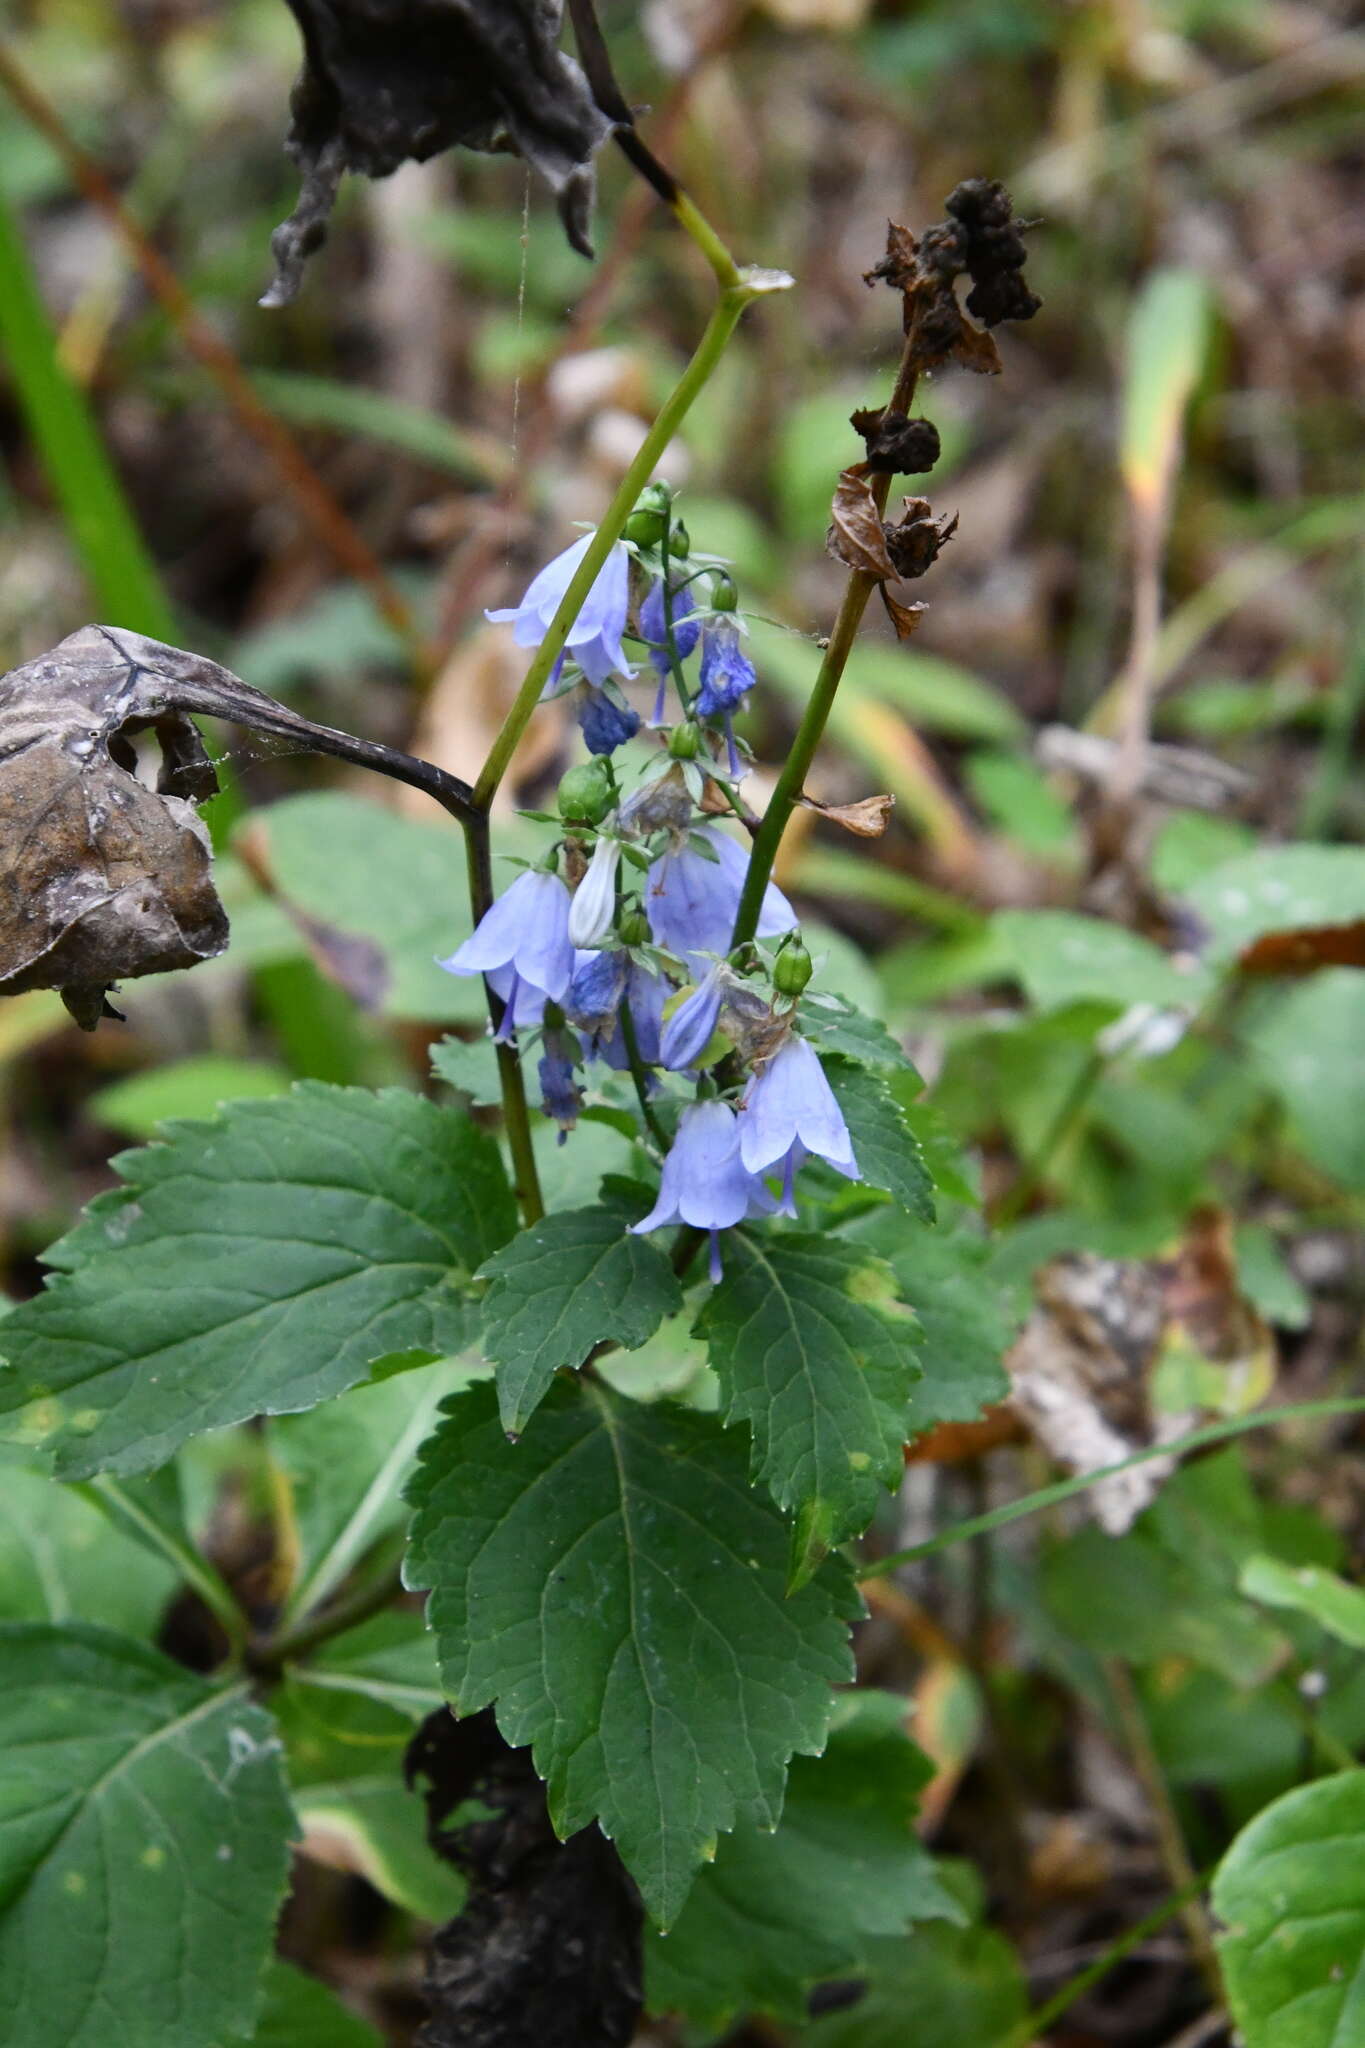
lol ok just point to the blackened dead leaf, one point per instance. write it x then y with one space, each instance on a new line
101 878
548 1949
994 255
384 81
896 446
856 536
867 818
915 542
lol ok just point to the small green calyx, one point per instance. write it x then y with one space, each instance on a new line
586 793
792 969
684 742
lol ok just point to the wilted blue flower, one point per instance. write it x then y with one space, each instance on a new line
522 945
593 909
560 1096
654 626
790 1113
705 1182
727 676
691 901
689 1030
595 637
601 984
605 724
595 992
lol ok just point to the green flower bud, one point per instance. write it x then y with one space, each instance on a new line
586 793
792 969
632 925
724 596
679 541
648 523
684 742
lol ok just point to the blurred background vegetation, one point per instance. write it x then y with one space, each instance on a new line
1160 512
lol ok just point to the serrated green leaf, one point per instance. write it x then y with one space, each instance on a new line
777 1913
615 1585
834 1025
298 2011
1291 1893
938 1984
144 1829
575 1279
1308 1589
886 1149
255 1265
815 1353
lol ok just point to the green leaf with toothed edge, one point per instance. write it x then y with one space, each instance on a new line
614 1585
779 1912
144 1845
253 1265
816 1354
574 1279
886 1149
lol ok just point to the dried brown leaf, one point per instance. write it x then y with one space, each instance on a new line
856 536
867 818
101 878
904 617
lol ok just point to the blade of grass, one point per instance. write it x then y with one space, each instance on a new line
1067 1489
123 580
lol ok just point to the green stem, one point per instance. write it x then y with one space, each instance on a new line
1067 1489
724 319
515 1109
125 1512
640 1078
274 1652
792 780
1041 2021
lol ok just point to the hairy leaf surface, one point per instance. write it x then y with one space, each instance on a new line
816 1354
615 1586
572 1280
777 1913
144 1830
255 1265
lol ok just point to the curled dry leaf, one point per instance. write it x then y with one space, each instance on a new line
856 535
867 818
917 539
384 81
101 878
